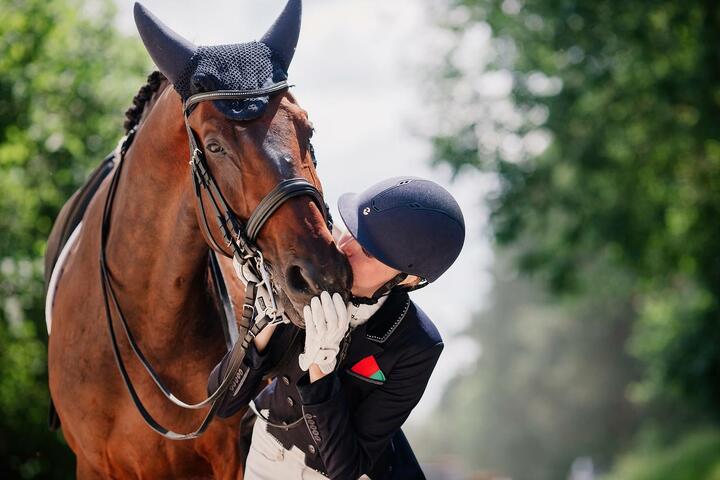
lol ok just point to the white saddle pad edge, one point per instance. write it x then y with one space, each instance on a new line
56 274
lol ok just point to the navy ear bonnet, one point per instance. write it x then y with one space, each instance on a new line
243 66
408 223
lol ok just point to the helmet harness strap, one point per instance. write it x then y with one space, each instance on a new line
383 290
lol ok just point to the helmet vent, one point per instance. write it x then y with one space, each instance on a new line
415 205
404 182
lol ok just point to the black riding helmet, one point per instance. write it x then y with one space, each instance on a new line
408 223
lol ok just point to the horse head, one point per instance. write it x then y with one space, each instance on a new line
253 144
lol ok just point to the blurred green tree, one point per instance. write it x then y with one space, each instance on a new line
66 75
696 456
549 385
607 149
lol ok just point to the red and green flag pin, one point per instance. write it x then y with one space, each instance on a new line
368 367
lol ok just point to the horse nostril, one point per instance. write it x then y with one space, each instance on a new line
309 279
296 280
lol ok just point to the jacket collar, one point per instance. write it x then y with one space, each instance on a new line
362 313
372 337
387 319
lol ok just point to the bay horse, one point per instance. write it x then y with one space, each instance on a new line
157 254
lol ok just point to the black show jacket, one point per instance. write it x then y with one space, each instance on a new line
351 422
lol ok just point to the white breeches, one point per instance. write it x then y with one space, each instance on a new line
268 460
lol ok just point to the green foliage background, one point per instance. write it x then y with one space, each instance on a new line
66 77
693 457
633 172
621 209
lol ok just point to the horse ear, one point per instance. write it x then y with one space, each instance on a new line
283 36
169 51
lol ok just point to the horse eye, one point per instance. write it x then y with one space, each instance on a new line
214 148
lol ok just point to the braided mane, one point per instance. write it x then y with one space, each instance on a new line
134 114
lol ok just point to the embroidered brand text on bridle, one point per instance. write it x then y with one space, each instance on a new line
239 236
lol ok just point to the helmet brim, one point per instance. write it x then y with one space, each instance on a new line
350 212
348 208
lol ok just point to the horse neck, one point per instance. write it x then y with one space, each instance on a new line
156 253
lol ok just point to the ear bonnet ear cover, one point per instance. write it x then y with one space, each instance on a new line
242 66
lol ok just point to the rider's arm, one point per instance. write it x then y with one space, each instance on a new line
262 338
257 361
350 443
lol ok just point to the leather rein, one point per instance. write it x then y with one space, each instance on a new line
239 237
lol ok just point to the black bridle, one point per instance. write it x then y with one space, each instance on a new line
239 236
241 239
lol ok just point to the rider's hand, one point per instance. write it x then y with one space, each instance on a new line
326 322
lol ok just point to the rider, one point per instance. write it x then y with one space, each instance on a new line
342 388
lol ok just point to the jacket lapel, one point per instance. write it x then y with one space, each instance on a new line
371 338
386 320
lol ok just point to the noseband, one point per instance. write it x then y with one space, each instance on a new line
239 236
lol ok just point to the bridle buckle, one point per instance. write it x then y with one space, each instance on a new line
248 311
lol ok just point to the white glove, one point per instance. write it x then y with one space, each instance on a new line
326 322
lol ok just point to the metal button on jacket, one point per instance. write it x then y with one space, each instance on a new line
311 449
290 401
285 380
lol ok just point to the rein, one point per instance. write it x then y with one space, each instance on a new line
238 236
